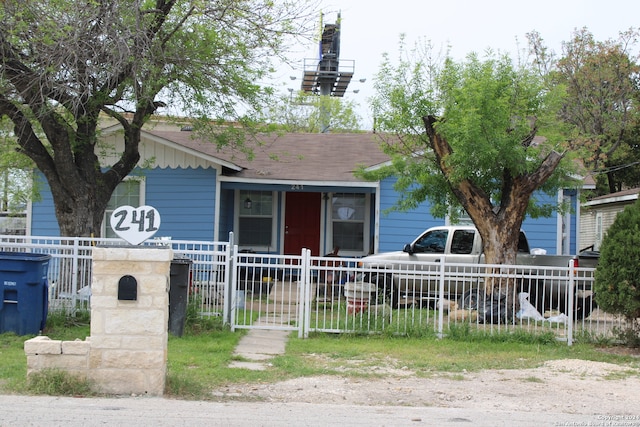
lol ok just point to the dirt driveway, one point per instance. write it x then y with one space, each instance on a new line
564 386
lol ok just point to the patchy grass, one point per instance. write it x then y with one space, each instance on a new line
55 382
13 363
198 362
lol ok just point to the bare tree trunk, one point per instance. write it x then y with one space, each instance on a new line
79 218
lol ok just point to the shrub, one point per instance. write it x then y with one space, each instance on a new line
617 278
196 323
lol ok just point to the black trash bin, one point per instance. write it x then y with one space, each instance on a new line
178 294
25 293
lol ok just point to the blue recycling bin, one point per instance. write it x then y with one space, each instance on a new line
25 293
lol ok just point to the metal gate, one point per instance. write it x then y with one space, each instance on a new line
269 291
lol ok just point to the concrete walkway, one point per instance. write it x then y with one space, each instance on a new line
258 347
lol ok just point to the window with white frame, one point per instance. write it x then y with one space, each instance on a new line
129 192
349 220
255 219
14 223
598 232
16 188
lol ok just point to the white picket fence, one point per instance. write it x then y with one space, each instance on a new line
307 293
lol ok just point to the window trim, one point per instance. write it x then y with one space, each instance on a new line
366 225
598 231
274 222
142 196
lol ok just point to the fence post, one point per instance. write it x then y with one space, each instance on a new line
304 306
228 309
441 298
570 301
229 280
74 273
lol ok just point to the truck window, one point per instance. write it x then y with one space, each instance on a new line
462 242
434 241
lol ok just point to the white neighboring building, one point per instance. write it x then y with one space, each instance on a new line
597 215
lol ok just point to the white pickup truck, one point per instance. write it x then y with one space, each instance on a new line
413 274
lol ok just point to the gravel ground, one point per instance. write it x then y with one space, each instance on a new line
559 393
559 386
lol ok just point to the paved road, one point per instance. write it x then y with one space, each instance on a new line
158 412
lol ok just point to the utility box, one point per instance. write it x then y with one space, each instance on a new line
25 293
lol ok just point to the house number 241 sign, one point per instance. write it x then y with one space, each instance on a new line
135 225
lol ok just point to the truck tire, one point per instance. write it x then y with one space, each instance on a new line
387 293
469 299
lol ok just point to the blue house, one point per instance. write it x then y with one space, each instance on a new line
299 191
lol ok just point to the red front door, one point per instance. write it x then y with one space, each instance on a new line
302 223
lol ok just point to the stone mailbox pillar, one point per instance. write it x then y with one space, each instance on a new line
129 317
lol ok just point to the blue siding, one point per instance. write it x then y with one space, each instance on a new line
227 201
43 221
541 233
279 224
398 228
185 199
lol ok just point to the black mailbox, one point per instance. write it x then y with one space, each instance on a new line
127 288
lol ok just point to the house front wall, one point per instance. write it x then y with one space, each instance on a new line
186 201
598 214
558 233
184 197
321 213
395 229
194 206
596 221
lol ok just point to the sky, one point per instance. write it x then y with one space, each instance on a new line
370 28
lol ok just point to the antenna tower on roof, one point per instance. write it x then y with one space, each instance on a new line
327 75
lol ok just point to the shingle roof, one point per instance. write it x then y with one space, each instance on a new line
294 156
618 194
329 157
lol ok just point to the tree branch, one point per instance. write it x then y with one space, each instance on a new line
473 198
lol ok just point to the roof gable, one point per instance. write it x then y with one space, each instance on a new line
624 196
292 156
157 151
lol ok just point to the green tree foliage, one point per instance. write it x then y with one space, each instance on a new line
623 166
601 81
303 112
466 134
617 286
64 63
